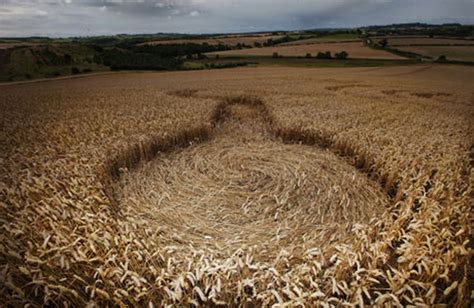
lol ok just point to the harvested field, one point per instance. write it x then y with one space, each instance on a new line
426 41
460 53
321 40
246 186
355 50
231 40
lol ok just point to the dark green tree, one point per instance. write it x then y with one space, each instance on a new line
383 43
341 55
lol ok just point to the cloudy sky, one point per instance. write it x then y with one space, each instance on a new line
96 17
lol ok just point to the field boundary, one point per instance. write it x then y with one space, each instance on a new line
85 75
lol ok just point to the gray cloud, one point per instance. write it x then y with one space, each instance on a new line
94 17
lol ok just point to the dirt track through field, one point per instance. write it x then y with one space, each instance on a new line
246 189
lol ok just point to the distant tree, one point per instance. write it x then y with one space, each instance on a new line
383 43
321 55
75 70
257 44
217 56
97 48
222 47
118 59
324 55
284 39
67 58
275 55
442 58
341 55
308 55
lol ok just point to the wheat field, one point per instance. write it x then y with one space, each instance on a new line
251 186
459 53
425 41
321 40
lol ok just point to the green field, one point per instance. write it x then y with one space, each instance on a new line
23 63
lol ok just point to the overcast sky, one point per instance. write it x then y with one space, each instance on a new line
96 17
